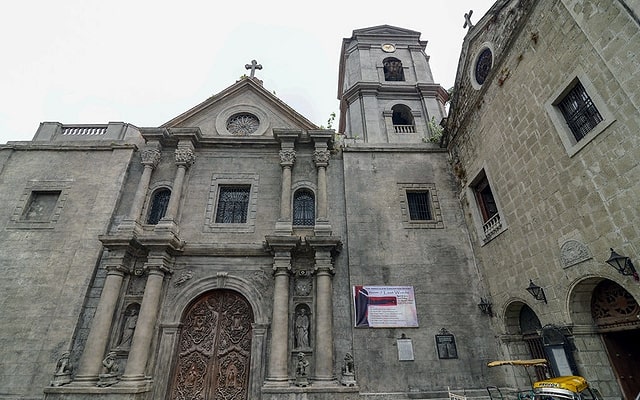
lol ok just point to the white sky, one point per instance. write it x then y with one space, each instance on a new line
145 62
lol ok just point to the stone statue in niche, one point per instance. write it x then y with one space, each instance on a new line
301 370
302 328
348 373
110 371
129 326
62 376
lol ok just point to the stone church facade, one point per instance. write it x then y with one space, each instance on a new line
239 251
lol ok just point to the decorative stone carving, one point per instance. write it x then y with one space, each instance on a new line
302 327
303 286
110 371
62 376
129 326
184 276
348 372
185 156
287 157
302 370
573 252
321 158
150 157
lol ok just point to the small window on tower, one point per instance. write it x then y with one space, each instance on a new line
393 69
419 208
402 119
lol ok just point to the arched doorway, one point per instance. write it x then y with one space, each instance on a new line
214 349
616 314
530 327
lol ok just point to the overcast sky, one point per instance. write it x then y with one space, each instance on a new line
145 62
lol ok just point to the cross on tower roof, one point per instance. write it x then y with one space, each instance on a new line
467 20
253 67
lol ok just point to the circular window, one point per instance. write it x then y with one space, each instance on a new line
243 124
484 63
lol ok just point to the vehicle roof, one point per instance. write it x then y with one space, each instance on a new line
575 384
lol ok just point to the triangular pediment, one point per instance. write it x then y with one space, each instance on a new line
245 108
385 30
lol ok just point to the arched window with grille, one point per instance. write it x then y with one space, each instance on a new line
304 208
392 69
158 206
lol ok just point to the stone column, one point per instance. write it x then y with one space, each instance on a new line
281 247
324 272
150 159
184 159
321 157
287 159
90 363
157 266
287 139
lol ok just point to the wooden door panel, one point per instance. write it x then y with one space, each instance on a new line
214 349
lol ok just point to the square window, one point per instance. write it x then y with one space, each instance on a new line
579 111
419 208
233 204
41 206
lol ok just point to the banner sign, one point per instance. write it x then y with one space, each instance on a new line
384 307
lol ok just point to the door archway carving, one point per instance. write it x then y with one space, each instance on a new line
214 349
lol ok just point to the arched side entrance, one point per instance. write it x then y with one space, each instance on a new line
524 326
616 314
213 359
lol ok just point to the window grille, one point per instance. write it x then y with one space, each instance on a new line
233 203
579 112
304 211
392 68
419 208
158 206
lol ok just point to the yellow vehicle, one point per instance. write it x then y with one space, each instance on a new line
565 388
561 388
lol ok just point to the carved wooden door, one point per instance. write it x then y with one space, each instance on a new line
214 349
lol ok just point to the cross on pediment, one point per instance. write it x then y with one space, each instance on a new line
467 20
253 67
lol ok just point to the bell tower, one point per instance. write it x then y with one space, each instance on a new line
385 87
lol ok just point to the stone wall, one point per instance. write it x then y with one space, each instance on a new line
48 261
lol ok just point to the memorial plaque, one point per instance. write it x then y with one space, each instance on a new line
405 350
446 345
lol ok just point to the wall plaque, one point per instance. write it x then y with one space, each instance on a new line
446 345
405 349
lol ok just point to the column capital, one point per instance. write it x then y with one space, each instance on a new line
287 157
321 157
150 155
185 156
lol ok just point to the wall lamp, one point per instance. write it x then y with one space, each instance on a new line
485 307
536 291
622 264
